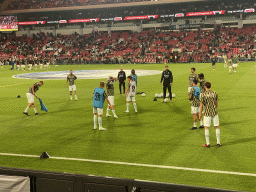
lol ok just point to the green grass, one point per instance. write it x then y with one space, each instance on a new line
159 134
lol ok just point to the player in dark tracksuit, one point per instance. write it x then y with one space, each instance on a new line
121 78
168 79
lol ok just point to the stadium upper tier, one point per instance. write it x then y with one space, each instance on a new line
38 4
146 46
179 5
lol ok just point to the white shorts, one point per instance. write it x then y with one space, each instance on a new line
98 110
189 89
30 97
214 120
195 110
130 98
111 100
235 65
72 87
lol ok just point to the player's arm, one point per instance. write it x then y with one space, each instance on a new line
189 95
106 97
128 87
171 79
201 110
162 78
75 78
67 82
33 91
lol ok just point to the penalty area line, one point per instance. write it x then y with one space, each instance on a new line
137 164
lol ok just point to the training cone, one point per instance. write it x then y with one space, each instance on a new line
18 96
155 99
44 155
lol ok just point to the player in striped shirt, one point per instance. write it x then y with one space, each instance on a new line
110 93
194 97
209 99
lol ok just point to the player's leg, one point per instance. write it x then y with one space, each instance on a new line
74 89
201 121
112 102
95 117
128 99
33 105
194 113
70 92
207 122
108 109
215 122
134 104
170 92
30 98
100 113
120 87
234 67
229 69
124 86
164 92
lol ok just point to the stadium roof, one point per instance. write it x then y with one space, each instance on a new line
159 2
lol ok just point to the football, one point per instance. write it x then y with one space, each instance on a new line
143 94
165 100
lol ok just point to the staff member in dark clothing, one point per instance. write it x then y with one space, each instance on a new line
121 78
168 79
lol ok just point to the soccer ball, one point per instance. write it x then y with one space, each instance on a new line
165 100
167 94
156 95
143 94
161 95
173 95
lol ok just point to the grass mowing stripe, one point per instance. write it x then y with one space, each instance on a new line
136 164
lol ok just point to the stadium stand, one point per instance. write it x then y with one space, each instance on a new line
130 47
37 4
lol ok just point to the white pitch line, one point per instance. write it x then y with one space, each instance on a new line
137 164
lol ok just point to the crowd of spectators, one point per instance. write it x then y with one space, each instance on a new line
131 47
38 4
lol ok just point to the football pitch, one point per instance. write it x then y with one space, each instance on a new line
158 135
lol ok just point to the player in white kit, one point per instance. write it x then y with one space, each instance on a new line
131 92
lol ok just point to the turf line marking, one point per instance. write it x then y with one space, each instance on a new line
136 164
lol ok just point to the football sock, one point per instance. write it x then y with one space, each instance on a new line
218 135
229 70
113 111
195 124
95 120
207 136
108 111
35 110
76 96
135 106
100 122
26 110
201 123
70 96
127 106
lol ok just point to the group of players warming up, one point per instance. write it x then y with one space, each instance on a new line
202 99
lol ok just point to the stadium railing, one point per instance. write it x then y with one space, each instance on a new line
41 181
